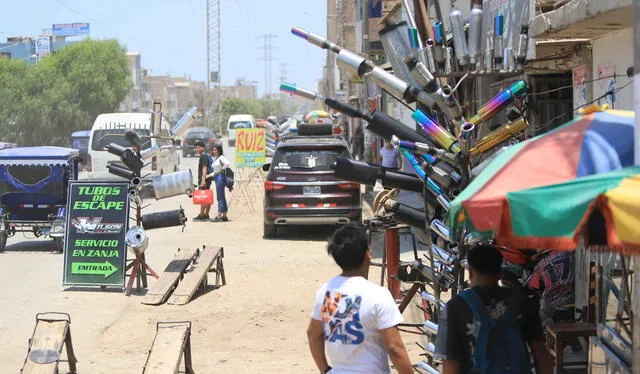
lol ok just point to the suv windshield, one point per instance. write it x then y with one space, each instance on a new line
307 158
101 138
240 125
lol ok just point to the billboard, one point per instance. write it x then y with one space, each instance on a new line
43 46
97 218
70 29
250 148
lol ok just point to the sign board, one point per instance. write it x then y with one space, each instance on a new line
97 216
70 29
43 46
250 148
606 82
581 90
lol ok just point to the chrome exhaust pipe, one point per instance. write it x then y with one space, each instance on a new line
430 327
440 229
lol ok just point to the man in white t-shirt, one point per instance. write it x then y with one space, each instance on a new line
354 322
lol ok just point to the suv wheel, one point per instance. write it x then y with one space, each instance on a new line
270 231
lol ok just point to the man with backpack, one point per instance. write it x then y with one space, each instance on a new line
489 329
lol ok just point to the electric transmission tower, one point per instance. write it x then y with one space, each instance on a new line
267 61
283 72
213 55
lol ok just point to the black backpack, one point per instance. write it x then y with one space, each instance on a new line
228 173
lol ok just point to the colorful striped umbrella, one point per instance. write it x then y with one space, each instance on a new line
504 197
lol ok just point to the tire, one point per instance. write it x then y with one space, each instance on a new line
175 168
269 231
3 241
184 154
59 244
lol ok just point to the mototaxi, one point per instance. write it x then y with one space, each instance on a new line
33 191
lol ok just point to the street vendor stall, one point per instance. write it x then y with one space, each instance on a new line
569 190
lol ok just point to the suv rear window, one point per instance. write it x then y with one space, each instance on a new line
312 159
101 138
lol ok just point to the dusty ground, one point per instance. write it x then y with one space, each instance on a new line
256 323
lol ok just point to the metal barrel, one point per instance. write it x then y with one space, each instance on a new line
172 184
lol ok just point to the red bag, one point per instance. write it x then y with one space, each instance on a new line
202 197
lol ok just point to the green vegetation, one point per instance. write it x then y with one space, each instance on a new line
262 108
43 104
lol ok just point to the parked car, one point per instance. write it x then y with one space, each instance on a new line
204 134
300 188
239 121
111 127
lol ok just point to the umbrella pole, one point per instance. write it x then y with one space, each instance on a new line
635 296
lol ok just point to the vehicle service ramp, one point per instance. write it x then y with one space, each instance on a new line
161 289
51 333
209 260
171 343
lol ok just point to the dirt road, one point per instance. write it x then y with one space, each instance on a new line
254 324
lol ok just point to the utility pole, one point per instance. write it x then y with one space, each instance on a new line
213 57
267 61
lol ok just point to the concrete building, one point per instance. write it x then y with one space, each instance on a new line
24 48
140 94
242 90
603 31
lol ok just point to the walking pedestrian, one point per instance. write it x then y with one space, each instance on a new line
220 164
486 328
204 182
389 157
354 322
358 142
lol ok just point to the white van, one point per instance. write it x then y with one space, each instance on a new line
239 121
110 128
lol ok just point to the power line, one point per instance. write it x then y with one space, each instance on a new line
268 57
550 123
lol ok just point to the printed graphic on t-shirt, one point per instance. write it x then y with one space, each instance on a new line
341 318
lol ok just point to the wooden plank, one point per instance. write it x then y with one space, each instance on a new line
194 277
161 289
167 349
47 335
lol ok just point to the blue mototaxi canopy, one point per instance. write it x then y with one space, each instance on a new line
63 162
44 155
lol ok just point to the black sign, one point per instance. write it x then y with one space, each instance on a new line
95 252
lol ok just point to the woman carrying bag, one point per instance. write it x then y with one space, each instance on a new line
220 164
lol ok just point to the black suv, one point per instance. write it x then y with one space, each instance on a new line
204 134
301 189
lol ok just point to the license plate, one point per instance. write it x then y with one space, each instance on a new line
311 190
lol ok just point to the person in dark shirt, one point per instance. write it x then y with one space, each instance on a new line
458 331
204 183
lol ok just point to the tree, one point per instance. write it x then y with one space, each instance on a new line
234 105
43 104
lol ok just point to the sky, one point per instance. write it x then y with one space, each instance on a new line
171 34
